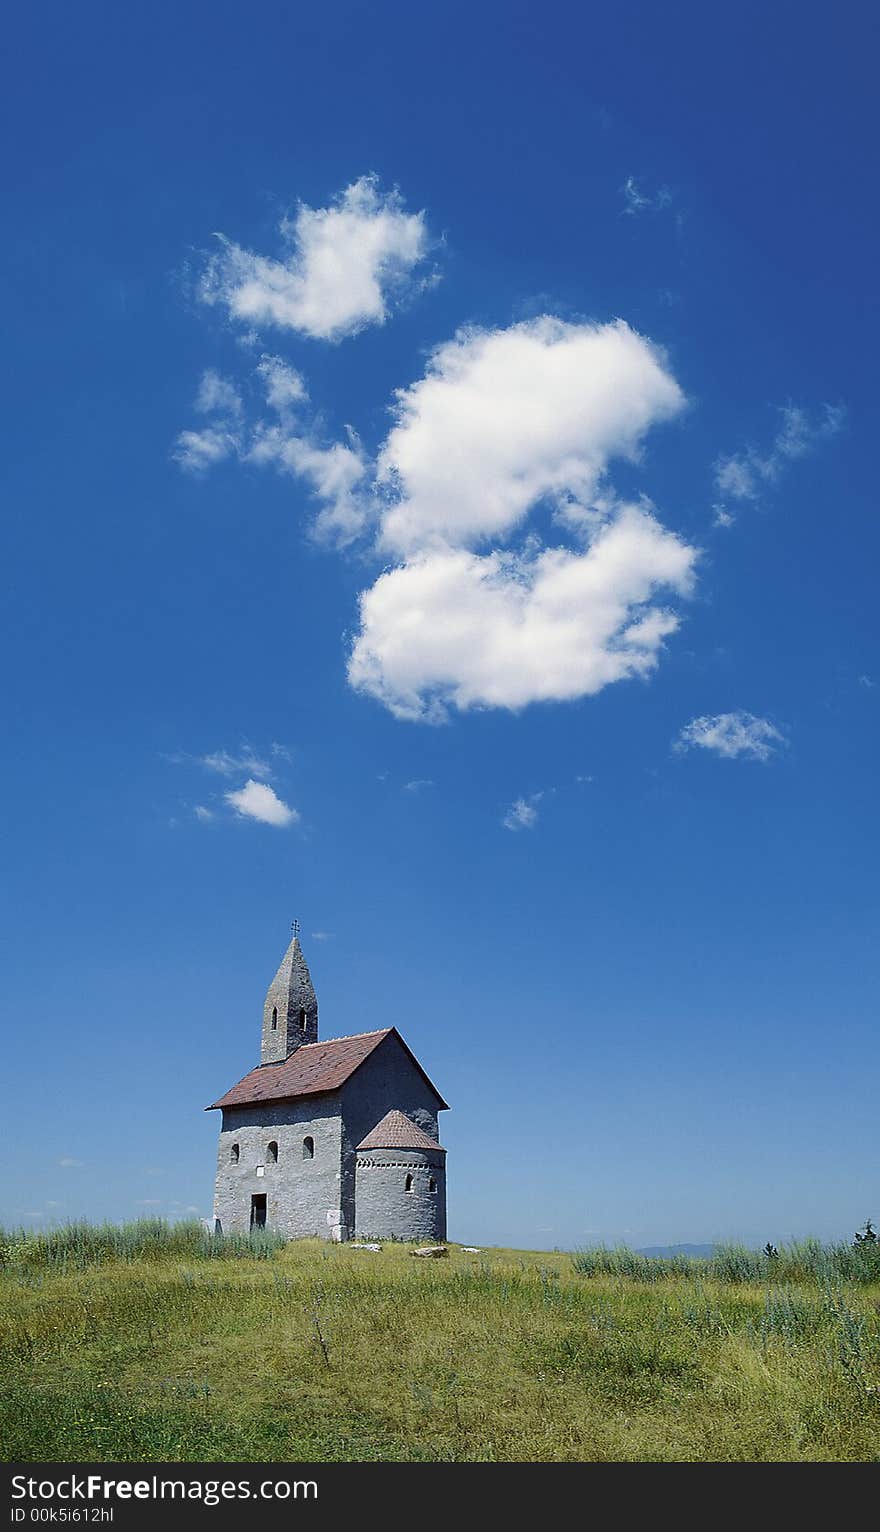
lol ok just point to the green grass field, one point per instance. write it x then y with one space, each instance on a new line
160 1345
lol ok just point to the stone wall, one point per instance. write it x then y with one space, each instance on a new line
386 1080
386 1209
303 1196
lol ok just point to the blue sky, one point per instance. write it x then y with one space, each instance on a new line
440 505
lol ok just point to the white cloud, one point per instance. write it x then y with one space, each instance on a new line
203 814
636 201
721 517
322 936
731 735
342 265
743 475
336 476
283 385
453 628
228 765
523 814
502 422
417 784
505 418
199 450
67 1162
217 396
256 800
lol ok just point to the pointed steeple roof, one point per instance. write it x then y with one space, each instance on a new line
290 1013
397 1131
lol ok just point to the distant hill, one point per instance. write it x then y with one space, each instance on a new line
667 1250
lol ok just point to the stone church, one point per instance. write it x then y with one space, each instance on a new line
335 1138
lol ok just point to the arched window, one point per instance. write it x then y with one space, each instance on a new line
272 1153
308 1148
302 1021
432 1185
408 1186
274 1017
233 1154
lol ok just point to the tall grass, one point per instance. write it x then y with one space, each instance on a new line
806 1260
76 1246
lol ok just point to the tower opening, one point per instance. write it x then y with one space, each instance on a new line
258 1210
234 1153
308 1148
272 1153
409 1184
274 1018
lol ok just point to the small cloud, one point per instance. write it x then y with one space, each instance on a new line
867 683
256 800
283 385
149 1202
731 735
197 451
722 517
341 266
202 813
217 396
636 201
523 814
227 765
743 475
67 1162
585 779
322 936
417 785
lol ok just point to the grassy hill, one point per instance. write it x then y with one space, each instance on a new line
148 1343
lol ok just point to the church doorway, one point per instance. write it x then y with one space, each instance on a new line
258 1211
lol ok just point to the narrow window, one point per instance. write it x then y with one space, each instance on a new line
258 1211
274 1018
432 1185
233 1154
302 1021
272 1153
408 1186
308 1148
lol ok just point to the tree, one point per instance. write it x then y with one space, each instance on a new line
866 1236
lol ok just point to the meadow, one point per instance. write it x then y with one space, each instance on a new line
154 1343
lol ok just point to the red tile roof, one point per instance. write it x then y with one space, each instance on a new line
311 1070
397 1131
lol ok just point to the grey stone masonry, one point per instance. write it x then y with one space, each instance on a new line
300 1178
400 1194
290 1014
388 1078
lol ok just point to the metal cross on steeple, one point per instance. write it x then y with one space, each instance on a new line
294 926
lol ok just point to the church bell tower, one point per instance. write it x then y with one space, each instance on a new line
290 1014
